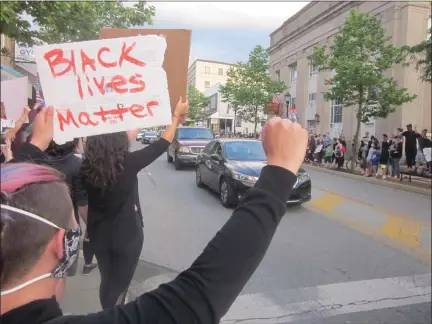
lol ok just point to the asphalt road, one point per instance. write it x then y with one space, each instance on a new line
357 253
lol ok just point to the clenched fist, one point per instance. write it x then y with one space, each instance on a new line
284 143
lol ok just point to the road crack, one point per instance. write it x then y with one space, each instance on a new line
326 308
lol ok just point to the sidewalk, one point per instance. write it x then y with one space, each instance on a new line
418 185
82 292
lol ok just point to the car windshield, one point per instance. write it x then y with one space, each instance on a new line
194 133
245 151
154 134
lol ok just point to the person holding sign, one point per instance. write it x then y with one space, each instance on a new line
201 294
115 222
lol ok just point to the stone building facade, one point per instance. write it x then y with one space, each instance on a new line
316 24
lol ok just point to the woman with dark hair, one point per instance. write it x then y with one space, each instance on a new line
115 225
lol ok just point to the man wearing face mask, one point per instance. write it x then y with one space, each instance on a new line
39 241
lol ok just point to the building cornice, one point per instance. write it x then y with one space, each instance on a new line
327 15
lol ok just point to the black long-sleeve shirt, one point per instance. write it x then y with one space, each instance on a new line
119 203
204 292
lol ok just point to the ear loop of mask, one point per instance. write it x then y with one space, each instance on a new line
43 220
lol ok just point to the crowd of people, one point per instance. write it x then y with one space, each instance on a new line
46 188
323 150
376 158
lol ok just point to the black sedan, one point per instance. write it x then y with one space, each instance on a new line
231 166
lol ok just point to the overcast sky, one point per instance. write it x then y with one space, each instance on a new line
225 31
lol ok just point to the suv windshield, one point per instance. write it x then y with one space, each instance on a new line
151 134
245 151
194 133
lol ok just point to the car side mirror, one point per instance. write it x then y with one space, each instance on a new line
215 157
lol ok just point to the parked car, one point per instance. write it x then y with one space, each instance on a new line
140 135
231 166
149 137
187 144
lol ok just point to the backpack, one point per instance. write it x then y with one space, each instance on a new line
338 152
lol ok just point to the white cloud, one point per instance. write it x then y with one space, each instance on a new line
226 15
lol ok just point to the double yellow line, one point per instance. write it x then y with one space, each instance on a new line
399 232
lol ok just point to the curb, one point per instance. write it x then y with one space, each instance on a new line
379 183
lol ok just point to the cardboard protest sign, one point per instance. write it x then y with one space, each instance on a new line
13 98
176 55
105 86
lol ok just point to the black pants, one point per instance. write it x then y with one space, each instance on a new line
117 250
410 154
87 252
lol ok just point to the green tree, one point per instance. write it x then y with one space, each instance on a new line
422 53
360 56
197 103
230 92
251 87
68 21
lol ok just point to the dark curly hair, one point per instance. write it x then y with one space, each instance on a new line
103 159
55 149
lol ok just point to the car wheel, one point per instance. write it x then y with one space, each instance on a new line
227 194
169 158
177 163
198 177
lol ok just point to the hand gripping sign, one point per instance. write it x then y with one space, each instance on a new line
105 86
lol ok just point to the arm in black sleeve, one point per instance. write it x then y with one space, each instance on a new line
138 160
29 153
203 293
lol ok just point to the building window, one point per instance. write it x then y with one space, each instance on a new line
293 102
336 112
220 71
293 69
312 99
213 101
207 69
278 75
206 84
313 70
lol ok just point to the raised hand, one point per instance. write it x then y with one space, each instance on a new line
284 143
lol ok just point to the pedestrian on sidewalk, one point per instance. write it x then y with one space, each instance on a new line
39 242
396 154
328 155
385 155
410 146
423 143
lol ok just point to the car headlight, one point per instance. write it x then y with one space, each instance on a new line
184 149
243 177
301 178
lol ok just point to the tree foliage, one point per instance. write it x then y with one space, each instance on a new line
360 56
422 53
197 103
249 87
68 21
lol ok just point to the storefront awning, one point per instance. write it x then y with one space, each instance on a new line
216 116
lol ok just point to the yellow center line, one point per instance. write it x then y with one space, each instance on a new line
427 224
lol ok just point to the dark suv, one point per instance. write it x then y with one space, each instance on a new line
187 144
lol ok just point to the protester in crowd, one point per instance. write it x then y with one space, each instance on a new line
318 153
384 156
410 146
326 140
373 159
339 154
62 158
423 142
6 151
37 224
312 147
328 153
115 224
395 150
